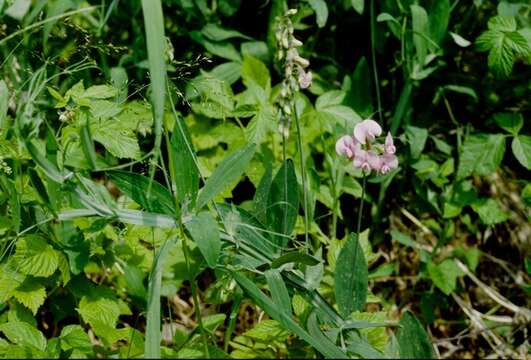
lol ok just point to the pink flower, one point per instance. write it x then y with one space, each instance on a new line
389 147
305 79
367 130
346 146
389 162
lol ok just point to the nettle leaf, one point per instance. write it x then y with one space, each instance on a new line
117 138
22 333
351 277
521 146
444 275
35 257
31 293
204 230
75 337
510 122
489 211
413 340
481 154
504 43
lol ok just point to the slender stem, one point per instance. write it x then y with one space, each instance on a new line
303 175
360 211
232 321
285 200
193 286
373 56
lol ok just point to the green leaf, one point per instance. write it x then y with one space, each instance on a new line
135 186
119 140
359 96
253 70
521 146
321 11
482 154
75 337
511 122
318 336
185 172
420 32
358 5
230 169
329 110
489 211
444 275
100 92
156 49
295 257
502 23
439 16
31 293
417 140
413 340
262 194
216 33
204 230
4 98
351 277
326 348
22 333
283 202
278 289
153 332
35 257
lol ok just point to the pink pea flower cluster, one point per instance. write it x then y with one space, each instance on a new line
364 153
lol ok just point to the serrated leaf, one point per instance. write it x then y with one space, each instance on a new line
482 154
120 141
413 340
204 230
351 277
22 333
31 293
75 337
521 146
35 257
502 23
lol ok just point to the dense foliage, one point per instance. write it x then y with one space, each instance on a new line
172 185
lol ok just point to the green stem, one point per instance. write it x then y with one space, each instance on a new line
360 211
303 175
193 286
232 321
373 56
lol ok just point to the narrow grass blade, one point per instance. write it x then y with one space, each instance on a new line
153 333
279 291
230 169
156 45
185 172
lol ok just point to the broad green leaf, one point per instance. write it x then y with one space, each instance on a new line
262 194
439 16
502 23
230 169
351 277
481 154
278 290
22 333
329 110
31 293
413 340
153 331
283 202
489 211
228 72
204 230
420 32
359 96
253 70
35 257
119 140
75 337
321 11
258 49
358 5
444 275
417 140
135 186
100 92
99 308
510 122
185 172
521 146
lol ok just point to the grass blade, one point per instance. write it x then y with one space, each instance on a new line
153 333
